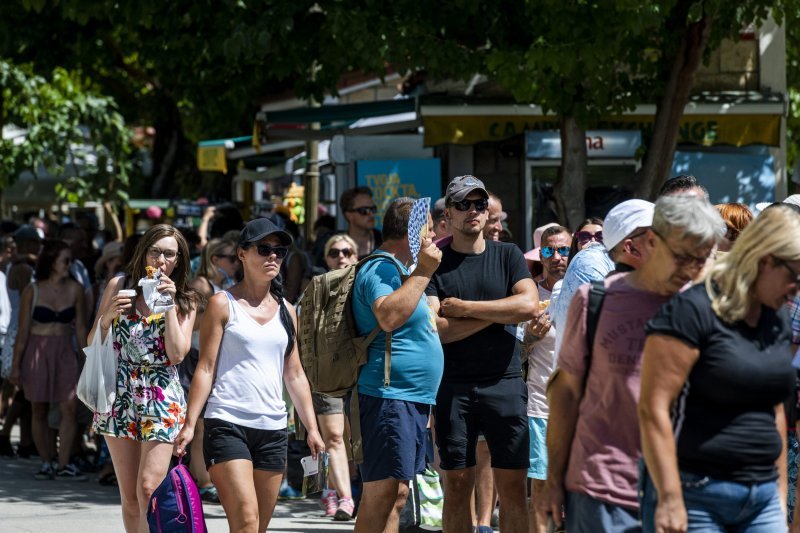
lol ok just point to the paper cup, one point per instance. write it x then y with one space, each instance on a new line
127 293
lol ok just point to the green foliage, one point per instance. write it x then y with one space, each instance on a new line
66 131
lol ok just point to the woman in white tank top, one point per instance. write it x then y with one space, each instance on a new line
248 351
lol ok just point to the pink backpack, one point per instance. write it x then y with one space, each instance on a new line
175 506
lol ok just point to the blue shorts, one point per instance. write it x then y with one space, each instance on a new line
394 435
537 427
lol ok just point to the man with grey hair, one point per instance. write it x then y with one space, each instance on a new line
593 451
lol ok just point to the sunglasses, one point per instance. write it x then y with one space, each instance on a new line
481 204
586 236
549 251
333 253
366 210
266 250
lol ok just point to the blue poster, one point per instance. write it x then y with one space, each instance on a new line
388 180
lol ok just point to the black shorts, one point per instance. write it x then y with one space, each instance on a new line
225 441
497 409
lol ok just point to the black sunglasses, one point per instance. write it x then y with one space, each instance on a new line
266 250
550 251
366 210
333 253
481 204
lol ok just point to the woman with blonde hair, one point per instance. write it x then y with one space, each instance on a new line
150 406
337 500
716 370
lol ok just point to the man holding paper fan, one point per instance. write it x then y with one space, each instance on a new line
394 415
480 287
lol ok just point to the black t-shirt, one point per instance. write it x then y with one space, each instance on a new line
491 353
724 417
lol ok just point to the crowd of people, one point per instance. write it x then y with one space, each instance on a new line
633 373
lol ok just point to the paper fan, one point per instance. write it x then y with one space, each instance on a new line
418 225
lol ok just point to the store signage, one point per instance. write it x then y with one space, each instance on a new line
388 180
704 130
212 158
599 143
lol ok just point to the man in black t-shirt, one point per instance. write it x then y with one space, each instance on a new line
479 287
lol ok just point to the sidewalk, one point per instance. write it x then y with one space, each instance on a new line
28 505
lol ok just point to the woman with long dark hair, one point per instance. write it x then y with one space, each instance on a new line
149 409
248 350
45 363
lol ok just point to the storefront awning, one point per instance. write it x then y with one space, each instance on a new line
368 118
702 124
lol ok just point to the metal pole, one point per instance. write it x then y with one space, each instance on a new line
311 182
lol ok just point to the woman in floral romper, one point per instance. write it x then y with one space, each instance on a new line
150 407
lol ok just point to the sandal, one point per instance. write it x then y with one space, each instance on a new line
108 480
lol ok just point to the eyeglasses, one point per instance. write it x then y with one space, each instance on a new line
265 250
481 204
790 269
333 253
366 210
230 257
681 260
155 253
550 251
586 236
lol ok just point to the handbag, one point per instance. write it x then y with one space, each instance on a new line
176 506
97 386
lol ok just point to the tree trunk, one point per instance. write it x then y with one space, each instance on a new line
169 134
661 150
570 188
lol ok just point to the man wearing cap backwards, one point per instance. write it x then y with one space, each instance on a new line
480 286
622 227
593 431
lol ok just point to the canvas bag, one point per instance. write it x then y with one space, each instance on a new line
176 506
97 386
331 351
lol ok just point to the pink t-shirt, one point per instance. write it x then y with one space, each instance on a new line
603 461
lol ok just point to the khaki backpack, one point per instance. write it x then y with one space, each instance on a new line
331 351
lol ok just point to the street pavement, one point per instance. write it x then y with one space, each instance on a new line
29 505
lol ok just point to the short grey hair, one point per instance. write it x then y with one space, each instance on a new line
692 216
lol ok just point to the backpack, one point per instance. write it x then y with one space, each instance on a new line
331 351
176 506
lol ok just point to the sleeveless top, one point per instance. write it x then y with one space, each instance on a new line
248 388
45 315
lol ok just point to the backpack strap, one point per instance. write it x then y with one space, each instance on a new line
597 294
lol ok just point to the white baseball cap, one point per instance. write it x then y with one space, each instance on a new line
793 199
624 218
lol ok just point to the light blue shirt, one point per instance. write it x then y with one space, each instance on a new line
417 357
590 264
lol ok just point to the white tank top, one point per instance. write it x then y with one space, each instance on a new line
248 389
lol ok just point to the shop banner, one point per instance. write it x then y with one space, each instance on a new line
705 130
599 143
388 180
212 158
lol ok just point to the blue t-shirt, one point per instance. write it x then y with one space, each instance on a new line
417 358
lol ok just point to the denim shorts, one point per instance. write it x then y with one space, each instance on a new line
537 427
394 435
719 505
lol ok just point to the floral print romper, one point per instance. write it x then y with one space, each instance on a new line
150 405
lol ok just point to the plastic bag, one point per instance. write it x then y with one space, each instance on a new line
97 386
158 302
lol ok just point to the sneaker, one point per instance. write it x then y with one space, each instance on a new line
70 473
45 472
209 494
329 502
288 492
345 510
